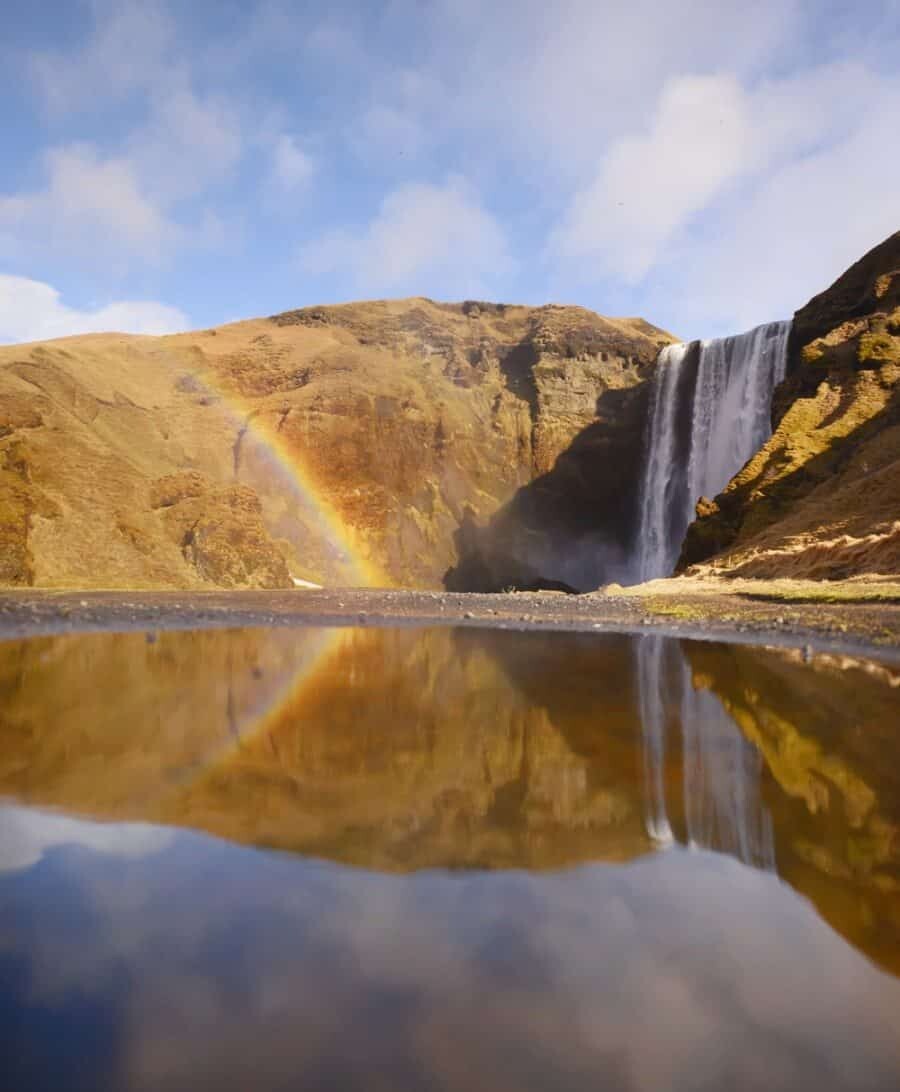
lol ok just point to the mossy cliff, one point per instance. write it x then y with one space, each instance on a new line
822 498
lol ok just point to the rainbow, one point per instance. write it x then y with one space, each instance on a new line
330 523
313 498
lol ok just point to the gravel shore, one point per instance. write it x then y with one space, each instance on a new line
866 627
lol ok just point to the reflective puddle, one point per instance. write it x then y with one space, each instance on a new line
438 859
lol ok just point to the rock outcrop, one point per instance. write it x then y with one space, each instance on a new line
338 445
572 527
822 497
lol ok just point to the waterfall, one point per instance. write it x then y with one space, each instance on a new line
710 410
720 806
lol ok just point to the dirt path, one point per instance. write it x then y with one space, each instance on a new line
855 627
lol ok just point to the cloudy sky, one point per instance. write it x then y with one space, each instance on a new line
708 164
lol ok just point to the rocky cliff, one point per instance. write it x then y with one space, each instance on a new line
342 444
822 497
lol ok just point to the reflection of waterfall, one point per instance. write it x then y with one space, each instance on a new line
710 411
653 691
720 800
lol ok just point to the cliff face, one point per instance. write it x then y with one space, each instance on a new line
572 527
822 497
333 444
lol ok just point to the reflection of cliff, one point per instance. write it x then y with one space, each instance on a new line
403 749
827 737
632 707
390 749
749 752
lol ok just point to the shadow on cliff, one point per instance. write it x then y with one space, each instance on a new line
573 528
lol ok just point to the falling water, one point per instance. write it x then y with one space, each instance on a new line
710 412
720 805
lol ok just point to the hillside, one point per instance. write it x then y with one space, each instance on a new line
337 445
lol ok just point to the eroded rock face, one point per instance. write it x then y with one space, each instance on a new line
335 444
220 531
572 527
822 497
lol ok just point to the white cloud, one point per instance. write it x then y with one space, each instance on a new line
402 121
32 311
25 835
426 238
553 83
129 47
179 145
809 215
738 203
292 167
190 142
636 145
388 134
122 208
90 201
650 185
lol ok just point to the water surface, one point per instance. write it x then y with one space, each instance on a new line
447 860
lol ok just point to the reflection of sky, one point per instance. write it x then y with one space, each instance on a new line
25 836
192 963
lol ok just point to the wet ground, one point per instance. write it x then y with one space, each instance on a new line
444 857
855 626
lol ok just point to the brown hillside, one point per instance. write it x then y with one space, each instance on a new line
203 459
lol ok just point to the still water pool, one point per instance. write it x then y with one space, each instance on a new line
446 859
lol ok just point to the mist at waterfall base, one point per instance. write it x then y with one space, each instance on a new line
710 411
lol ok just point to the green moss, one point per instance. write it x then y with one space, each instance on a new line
686 612
809 592
813 352
878 348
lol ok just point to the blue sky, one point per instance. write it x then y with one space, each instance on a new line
707 164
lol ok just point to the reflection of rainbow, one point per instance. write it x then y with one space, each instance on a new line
250 420
316 652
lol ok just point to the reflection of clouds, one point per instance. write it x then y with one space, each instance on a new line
25 836
686 970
